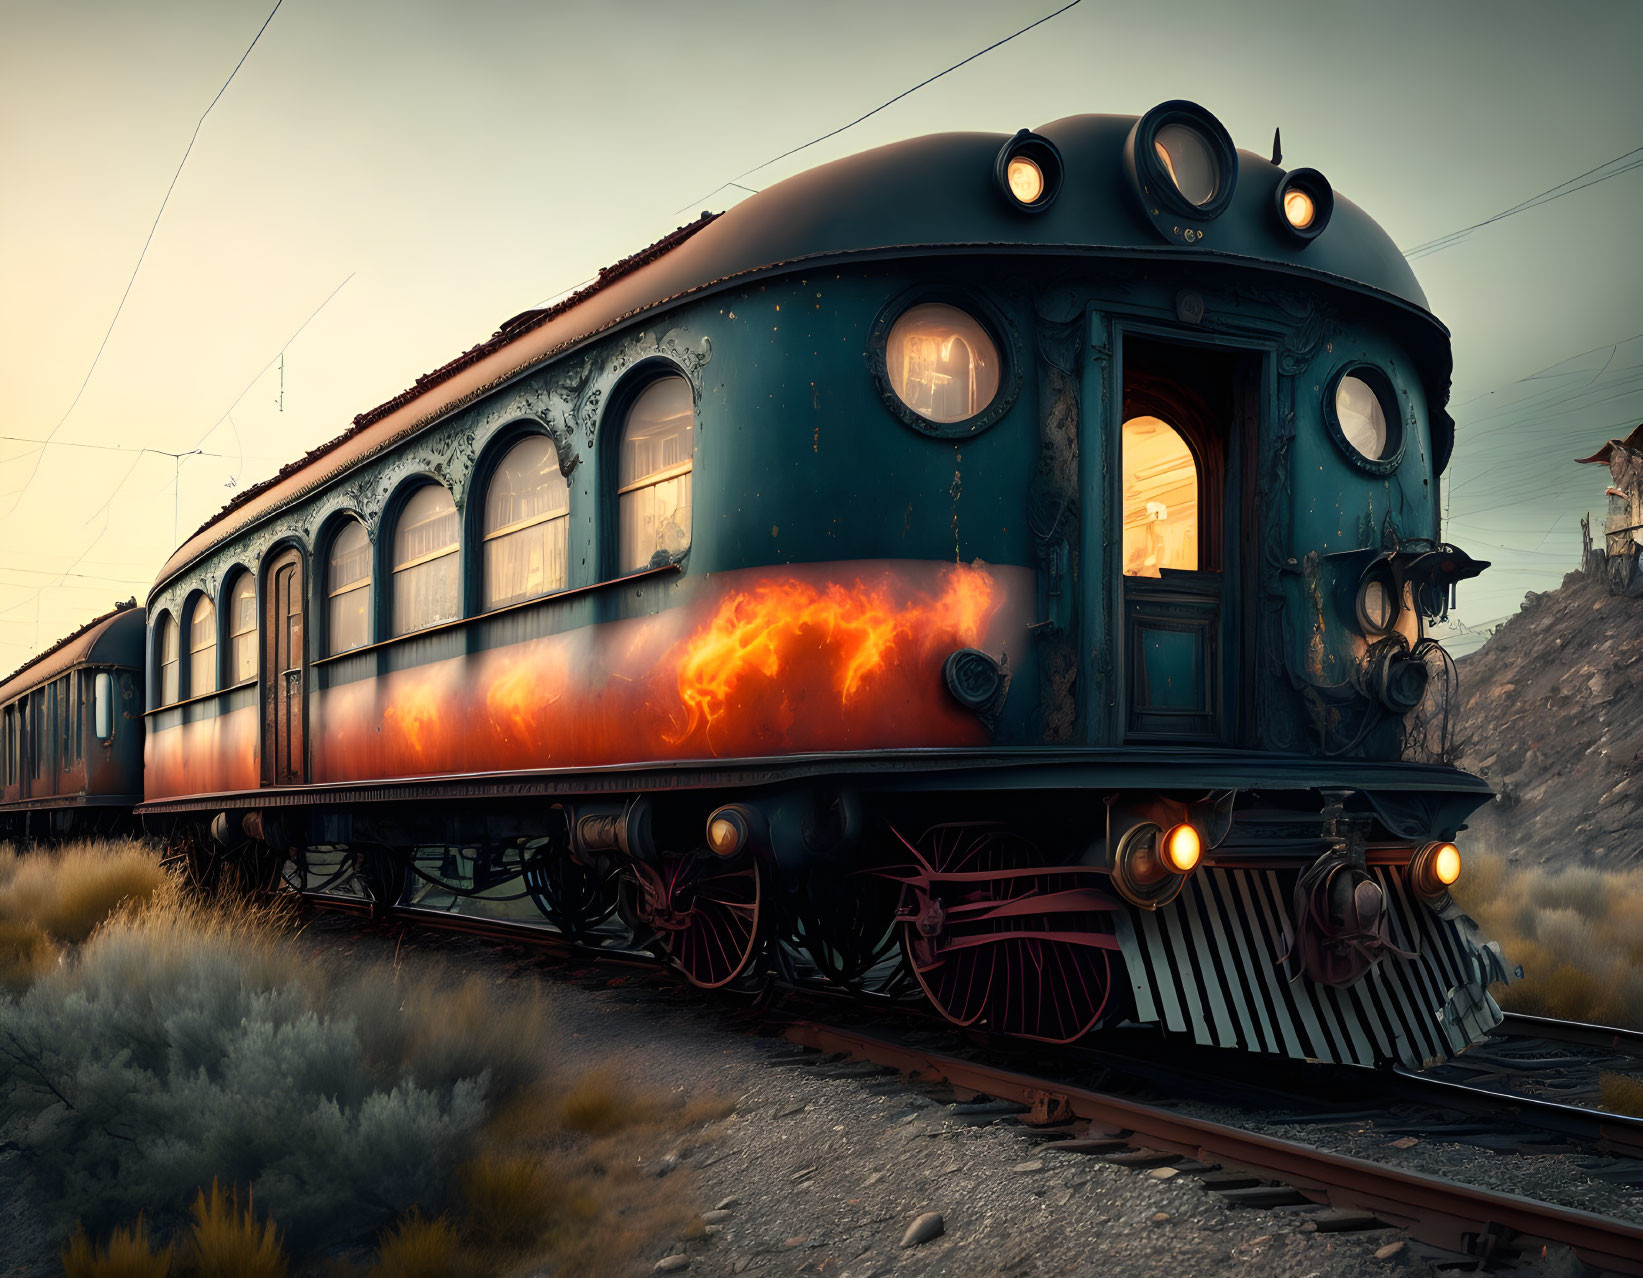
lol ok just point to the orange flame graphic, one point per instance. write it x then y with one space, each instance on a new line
762 630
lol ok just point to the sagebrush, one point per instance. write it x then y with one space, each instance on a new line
1578 933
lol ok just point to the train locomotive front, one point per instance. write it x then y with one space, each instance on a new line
992 565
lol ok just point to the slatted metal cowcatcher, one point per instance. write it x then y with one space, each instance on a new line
1213 964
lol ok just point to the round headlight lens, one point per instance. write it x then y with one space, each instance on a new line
1188 159
1299 210
1434 869
1362 419
1026 180
941 362
1183 845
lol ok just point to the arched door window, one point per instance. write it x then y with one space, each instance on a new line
1160 499
166 643
527 515
425 561
242 630
202 648
348 589
653 475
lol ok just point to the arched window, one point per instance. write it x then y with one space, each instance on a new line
425 561
242 629
1160 499
202 648
527 514
348 589
653 475
166 644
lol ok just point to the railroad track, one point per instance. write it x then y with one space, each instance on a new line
1457 1218
1083 1112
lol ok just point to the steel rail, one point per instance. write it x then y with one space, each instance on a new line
1430 1209
1582 1033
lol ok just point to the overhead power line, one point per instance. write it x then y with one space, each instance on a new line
696 203
1629 161
131 470
103 345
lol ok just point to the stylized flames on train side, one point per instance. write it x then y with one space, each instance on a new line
761 662
789 629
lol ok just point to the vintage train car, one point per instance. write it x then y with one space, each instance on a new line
71 733
1011 548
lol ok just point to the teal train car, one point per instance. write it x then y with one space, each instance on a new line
991 566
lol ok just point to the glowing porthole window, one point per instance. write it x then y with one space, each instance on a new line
942 363
1362 419
1160 499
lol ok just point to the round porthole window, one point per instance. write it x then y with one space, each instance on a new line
1362 413
942 363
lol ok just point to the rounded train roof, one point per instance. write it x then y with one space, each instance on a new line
929 195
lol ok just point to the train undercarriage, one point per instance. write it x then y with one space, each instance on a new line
1302 927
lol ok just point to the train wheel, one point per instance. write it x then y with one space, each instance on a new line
706 914
847 929
999 938
575 899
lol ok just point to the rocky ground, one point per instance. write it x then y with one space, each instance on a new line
829 1171
1552 714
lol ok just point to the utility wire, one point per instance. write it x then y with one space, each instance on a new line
131 470
1634 158
696 203
103 345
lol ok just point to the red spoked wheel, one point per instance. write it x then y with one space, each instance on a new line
998 938
706 913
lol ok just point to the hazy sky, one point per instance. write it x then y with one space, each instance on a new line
458 164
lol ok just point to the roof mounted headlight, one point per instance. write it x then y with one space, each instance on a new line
1184 167
1028 172
1304 200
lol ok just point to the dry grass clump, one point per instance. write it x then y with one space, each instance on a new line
67 892
1621 1093
26 952
127 1255
229 1243
1578 932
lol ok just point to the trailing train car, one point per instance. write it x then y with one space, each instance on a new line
71 733
998 562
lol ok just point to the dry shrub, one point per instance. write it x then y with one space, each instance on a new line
420 1248
128 1255
601 1102
1620 1093
68 892
1578 932
229 1243
25 953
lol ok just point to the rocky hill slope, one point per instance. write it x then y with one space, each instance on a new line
1552 714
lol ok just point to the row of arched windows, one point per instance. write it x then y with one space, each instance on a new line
524 537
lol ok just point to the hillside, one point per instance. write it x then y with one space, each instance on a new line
1552 714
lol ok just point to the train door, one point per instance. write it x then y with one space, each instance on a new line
1188 423
283 650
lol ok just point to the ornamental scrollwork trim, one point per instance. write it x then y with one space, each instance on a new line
674 347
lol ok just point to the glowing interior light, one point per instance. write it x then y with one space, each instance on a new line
1446 864
1182 848
1026 179
1299 208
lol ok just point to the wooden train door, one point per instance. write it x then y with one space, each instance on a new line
1185 429
283 686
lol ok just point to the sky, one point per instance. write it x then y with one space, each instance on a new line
381 185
